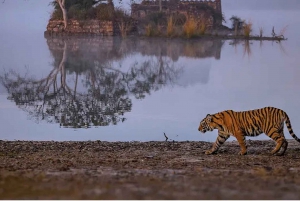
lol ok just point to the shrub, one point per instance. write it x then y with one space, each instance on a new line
91 13
261 31
77 9
202 27
236 22
247 29
150 30
124 27
56 15
124 21
75 12
104 12
189 27
170 26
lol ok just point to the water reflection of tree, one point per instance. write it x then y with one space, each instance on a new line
105 93
247 46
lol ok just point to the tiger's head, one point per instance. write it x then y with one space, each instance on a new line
206 124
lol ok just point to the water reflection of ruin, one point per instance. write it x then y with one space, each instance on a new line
114 48
176 48
85 89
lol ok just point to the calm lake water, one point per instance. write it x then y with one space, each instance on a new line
136 89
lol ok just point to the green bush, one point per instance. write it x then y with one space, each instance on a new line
75 12
157 18
91 13
104 12
56 15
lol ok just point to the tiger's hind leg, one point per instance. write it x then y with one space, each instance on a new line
279 138
283 149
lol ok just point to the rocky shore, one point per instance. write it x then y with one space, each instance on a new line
146 170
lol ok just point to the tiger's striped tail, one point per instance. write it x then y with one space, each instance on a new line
289 127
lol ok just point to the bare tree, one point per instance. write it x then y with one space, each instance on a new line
64 11
237 23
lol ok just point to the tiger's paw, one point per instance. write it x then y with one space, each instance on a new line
242 153
209 152
279 154
274 152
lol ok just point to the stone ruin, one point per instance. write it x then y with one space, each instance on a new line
206 10
209 11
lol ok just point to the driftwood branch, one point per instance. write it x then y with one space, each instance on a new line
166 137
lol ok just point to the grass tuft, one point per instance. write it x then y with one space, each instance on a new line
150 31
261 32
247 29
282 31
170 27
190 27
202 27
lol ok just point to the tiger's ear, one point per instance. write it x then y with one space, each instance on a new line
208 117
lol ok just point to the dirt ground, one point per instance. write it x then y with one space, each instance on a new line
146 170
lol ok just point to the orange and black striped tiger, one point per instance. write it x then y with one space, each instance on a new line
268 120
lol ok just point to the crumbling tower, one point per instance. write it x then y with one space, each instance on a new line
218 6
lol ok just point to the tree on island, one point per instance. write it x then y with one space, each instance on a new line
62 6
236 23
79 7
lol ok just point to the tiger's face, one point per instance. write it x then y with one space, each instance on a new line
206 124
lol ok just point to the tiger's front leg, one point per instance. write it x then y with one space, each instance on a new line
220 140
242 141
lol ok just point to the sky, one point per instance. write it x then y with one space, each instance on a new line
261 4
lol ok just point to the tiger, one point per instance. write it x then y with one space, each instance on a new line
268 120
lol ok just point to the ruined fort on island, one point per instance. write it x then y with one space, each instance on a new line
207 11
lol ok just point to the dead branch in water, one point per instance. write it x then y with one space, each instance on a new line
166 137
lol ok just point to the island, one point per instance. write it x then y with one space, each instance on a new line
151 18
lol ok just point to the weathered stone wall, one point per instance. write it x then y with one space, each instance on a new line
86 27
89 27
